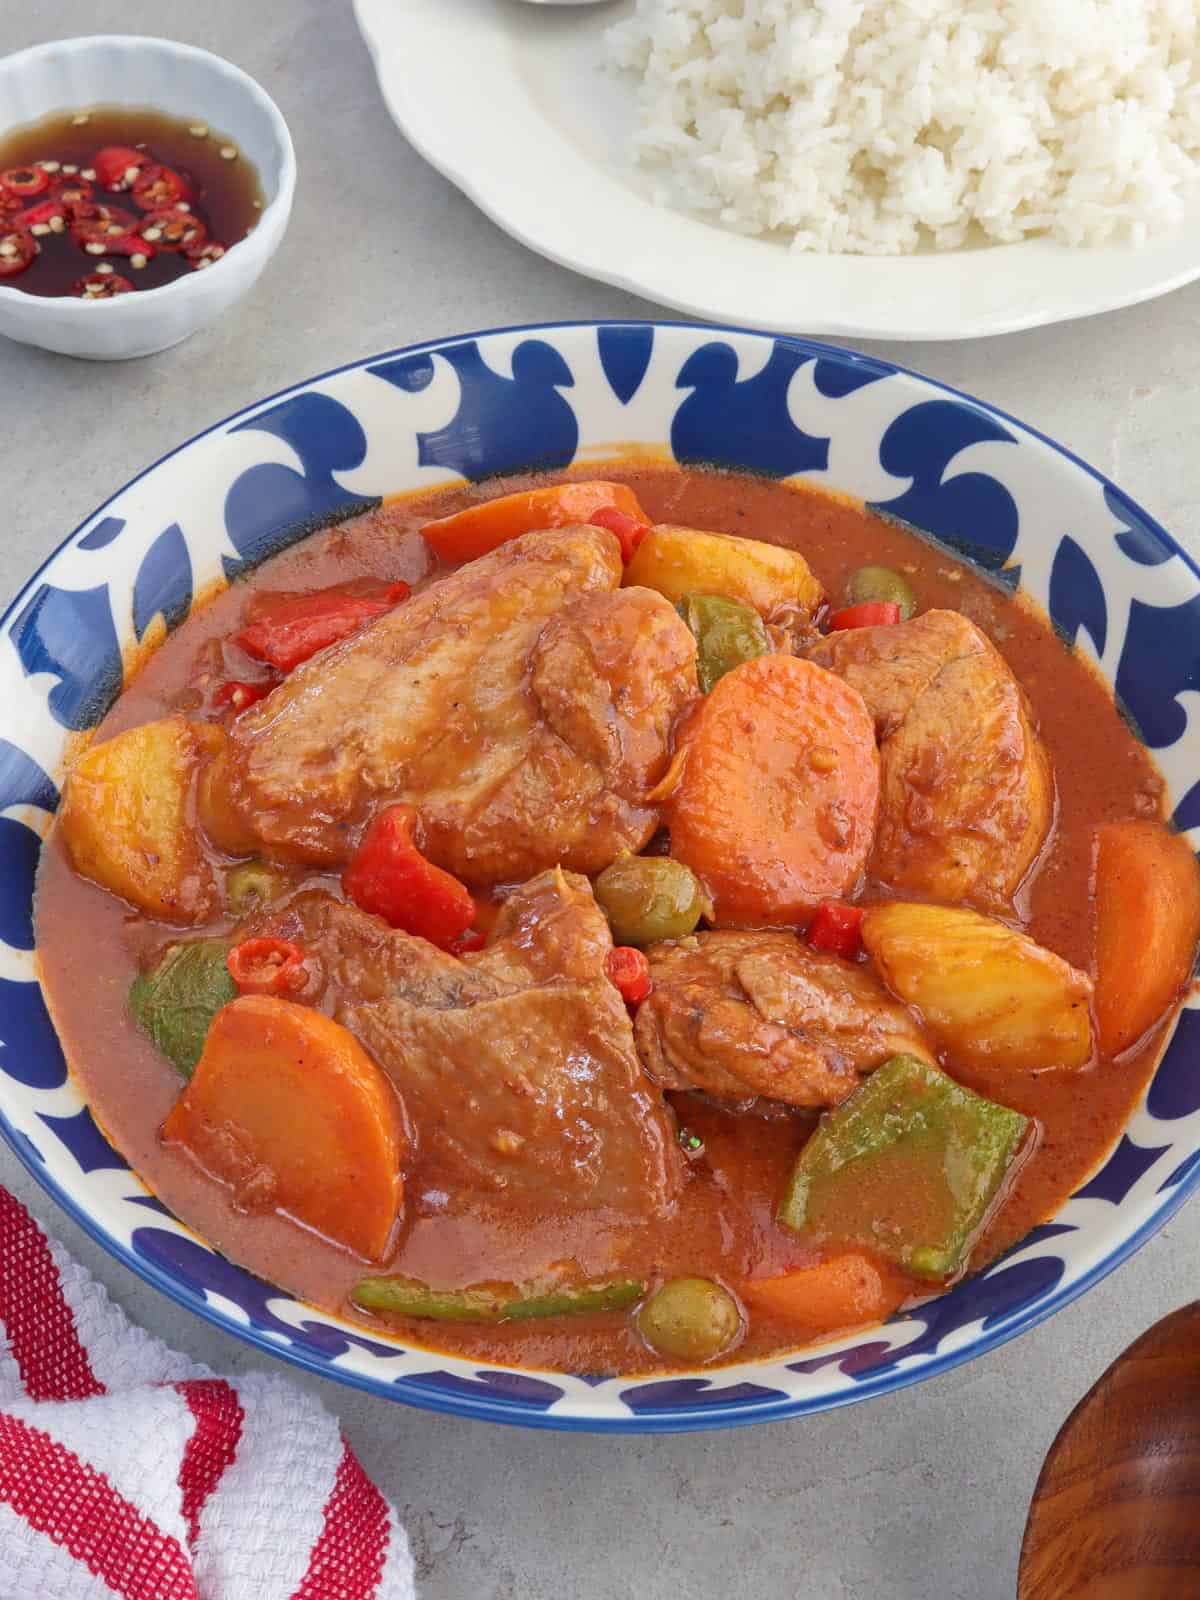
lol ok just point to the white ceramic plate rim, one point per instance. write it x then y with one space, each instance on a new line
515 151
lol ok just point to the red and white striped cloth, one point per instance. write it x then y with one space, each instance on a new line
128 1471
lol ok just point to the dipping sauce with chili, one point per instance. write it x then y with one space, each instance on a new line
110 199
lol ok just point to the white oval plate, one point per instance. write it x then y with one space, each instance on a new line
513 104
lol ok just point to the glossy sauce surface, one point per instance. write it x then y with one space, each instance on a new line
228 198
724 1227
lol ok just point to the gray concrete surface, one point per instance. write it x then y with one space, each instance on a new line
921 1496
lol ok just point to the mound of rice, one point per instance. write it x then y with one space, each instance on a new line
884 126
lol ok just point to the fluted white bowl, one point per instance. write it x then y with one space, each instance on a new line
118 69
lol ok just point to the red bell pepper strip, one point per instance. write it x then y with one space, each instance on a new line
285 629
389 877
628 529
837 928
629 970
237 696
267 966
871 614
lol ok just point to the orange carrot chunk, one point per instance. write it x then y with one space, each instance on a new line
483 528
775 810
289 1110
843 1291
1147 925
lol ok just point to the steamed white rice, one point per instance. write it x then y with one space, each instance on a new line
883 126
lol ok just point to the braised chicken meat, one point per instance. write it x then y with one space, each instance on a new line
524 704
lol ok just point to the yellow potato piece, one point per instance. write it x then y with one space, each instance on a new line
678 561
989 995
125 819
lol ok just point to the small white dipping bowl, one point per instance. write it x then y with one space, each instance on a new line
116 69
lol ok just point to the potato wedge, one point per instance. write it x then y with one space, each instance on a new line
126 825
989 995
678 561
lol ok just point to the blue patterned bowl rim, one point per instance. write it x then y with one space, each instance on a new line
689 1413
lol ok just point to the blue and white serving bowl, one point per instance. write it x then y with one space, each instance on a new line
1112 580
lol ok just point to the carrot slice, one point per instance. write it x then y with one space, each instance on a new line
843 1291
775 810
482 528
288 1109
1147 925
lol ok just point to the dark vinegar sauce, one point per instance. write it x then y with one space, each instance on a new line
228 197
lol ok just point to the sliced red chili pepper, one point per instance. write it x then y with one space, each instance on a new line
42 217
389 877
629 970
837 928
101 286
203 255
97 222
25 182
237 696
156 187
17 249
871 614
267 966
286 629
172 229
113 166
628 529
473 939
72 191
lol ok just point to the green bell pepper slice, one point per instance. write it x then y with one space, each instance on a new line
176 1002
505 1302
727 633
909 1167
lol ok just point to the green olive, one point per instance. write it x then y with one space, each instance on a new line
254 884
647 898
881 583
691 1319
727 633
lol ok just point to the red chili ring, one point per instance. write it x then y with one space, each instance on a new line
43 215
101 286
18 247
172 229
203 255
112 165
157 188
95 222
25 182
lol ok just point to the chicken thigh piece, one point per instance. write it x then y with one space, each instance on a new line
523 704
743 1015
967 792
516 1067
891 666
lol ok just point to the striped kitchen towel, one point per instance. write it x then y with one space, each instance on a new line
127 1471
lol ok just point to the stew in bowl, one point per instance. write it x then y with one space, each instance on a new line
615 920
